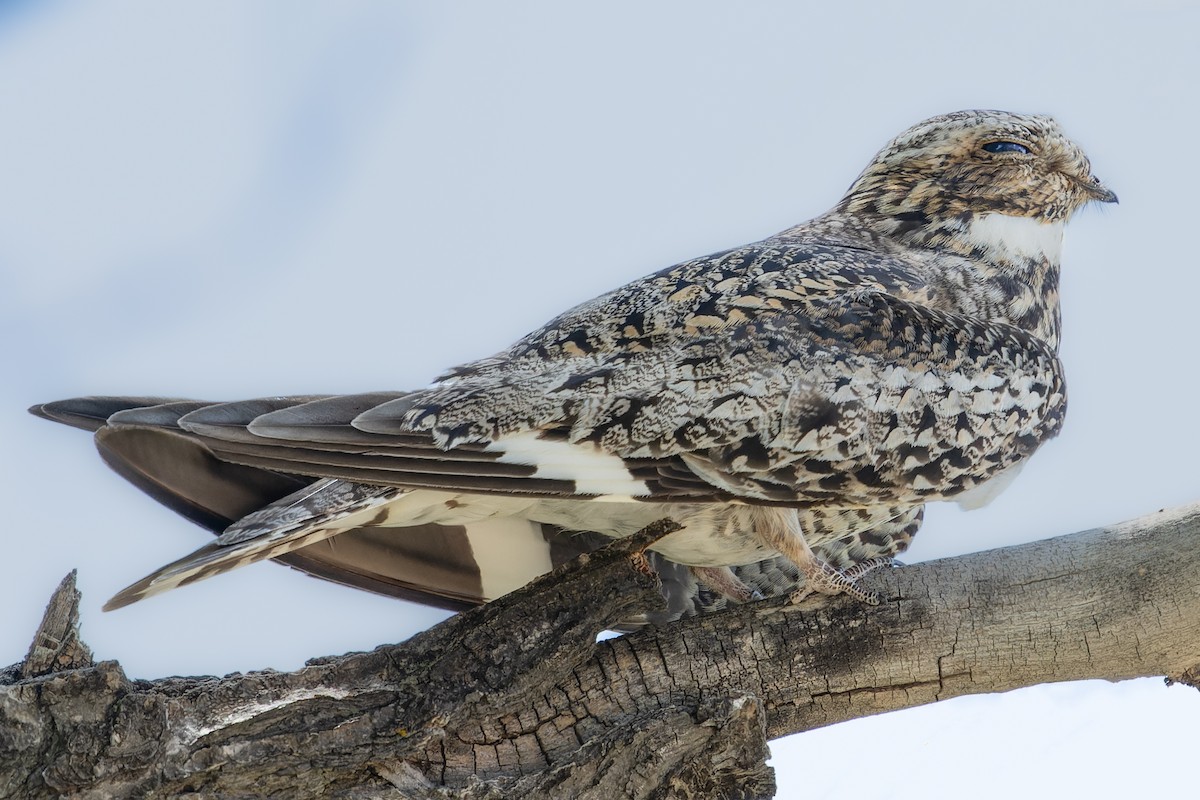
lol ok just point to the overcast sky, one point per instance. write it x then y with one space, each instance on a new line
228 200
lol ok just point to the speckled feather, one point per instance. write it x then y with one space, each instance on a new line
813 389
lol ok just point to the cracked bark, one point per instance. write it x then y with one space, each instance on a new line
516 699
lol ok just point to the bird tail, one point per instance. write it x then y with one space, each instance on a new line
316 512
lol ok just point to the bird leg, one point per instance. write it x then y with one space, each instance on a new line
780 530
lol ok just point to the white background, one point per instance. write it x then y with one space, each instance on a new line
228 200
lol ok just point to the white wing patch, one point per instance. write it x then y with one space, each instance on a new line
509 553
1017 237
593 471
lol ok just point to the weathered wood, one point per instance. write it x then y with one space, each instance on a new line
56 645
516 699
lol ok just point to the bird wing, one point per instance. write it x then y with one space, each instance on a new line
774 373
851 397
446 566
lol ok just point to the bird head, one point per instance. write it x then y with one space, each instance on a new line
971 163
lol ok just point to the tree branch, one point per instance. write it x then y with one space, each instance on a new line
516 699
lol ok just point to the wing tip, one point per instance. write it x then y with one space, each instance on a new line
39 410
91 413
68 412
75 413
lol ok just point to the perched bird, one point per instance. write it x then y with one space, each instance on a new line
793 403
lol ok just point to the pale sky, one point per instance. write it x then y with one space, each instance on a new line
229 200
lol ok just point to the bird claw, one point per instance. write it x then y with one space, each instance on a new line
870 565
641 563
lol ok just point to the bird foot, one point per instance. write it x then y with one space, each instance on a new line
723 581
820 577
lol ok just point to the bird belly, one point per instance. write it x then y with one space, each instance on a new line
707 540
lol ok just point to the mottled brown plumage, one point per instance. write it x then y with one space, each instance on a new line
812 389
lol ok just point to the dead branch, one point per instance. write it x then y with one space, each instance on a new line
517 699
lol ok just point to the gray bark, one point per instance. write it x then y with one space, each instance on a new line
516 699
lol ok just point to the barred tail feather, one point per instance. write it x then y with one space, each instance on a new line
301 519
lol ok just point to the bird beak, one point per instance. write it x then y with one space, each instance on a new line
1099 191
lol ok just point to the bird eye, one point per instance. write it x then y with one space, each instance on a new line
1005 147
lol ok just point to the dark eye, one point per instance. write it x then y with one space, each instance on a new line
1005 147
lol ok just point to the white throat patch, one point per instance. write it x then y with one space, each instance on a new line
1011 238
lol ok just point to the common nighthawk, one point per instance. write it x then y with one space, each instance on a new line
811 391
